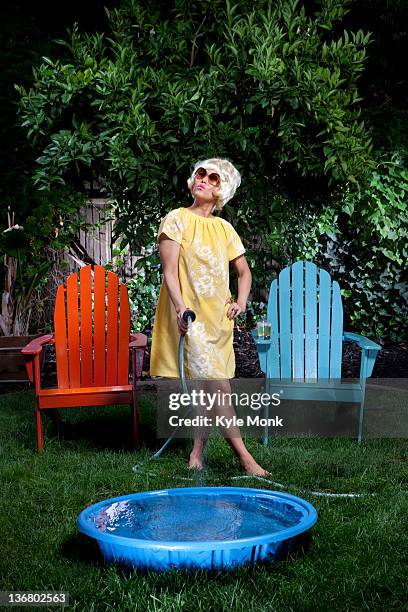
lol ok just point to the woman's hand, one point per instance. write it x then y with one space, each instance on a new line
235 309
182 325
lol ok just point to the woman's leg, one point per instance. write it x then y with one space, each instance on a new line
231 434
195 461
201 435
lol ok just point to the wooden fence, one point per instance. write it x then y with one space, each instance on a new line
94 245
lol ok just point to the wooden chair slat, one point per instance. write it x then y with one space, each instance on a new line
60 327
124 336
298 330
85 292
324 324
336 341
73 331
284 323
112 330
310 320
99 326
273 359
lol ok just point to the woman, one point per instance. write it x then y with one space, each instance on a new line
196 248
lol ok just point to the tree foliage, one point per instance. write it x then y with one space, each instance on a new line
272 87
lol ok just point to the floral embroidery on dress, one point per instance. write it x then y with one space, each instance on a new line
210 271
173 225
200 360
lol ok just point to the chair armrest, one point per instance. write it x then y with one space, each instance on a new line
35 346
259 341
369 352
32 350
362 341
138 341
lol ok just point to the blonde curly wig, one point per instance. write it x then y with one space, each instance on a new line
230 178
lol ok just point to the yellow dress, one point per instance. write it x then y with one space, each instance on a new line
207 245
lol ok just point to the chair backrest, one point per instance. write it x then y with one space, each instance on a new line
92 329
306 315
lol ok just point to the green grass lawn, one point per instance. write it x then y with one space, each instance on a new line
356 560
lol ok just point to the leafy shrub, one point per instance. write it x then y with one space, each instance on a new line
45 222
362 239
143 287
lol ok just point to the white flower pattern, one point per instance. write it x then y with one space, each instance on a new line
173 226
200 360
208 269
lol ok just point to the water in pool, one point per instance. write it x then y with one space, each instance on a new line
195 518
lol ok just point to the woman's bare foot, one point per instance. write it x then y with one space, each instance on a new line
196 461
251 467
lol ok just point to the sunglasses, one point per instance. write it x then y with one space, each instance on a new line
213 177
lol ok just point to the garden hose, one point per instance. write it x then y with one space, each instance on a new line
188 316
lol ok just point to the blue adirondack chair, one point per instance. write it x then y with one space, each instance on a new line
303 355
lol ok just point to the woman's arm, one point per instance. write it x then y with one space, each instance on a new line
244 286
169 251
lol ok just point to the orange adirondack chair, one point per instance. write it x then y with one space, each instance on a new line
92 341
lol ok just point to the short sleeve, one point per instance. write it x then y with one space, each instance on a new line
235 246
172 225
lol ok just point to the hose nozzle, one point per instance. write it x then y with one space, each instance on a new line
189 315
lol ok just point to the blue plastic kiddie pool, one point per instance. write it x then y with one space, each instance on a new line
197 528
